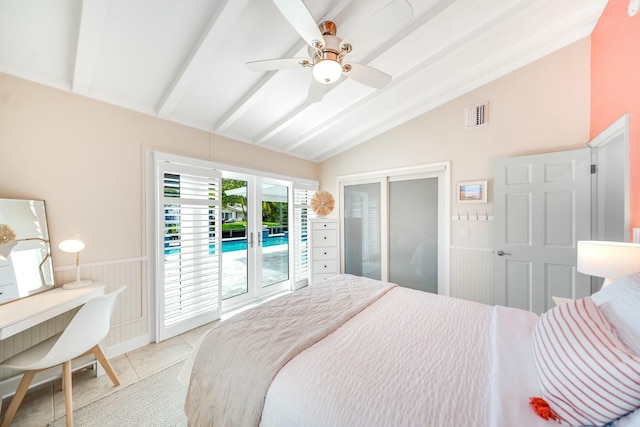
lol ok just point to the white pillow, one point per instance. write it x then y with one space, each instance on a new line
587 375
620 304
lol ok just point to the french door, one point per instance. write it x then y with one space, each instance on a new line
188 236
221 237
255 238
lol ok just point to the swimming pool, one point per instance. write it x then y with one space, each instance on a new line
241 244
236 244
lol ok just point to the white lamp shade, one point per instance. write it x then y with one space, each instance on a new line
610 260
74 246
327 71
71 246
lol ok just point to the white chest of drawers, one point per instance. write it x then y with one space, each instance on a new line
323 244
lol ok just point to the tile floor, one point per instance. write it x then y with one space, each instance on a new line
45 402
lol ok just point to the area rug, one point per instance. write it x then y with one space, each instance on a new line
154 401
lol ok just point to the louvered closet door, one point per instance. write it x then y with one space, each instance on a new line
188 278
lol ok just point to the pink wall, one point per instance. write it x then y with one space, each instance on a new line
615 84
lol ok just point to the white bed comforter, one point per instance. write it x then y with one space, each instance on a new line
413 359
408 359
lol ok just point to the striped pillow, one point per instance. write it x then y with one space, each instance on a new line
587 375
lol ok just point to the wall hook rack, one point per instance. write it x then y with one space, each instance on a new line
477 216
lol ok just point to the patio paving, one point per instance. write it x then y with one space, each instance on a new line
275 269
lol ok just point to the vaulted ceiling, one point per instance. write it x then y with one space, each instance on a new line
185 60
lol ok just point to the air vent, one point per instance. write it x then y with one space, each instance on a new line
476 115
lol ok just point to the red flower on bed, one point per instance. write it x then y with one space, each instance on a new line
542 408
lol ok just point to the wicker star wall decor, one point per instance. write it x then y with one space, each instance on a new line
322 203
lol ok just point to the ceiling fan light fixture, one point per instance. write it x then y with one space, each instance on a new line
327 71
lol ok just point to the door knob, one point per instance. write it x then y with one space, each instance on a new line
501 253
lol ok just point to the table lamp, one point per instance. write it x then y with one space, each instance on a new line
610 260
74 246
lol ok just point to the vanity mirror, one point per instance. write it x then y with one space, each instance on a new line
25 253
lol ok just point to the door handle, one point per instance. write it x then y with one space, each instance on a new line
501 253
251 239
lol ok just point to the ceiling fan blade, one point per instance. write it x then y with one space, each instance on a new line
367 75
316 92
300 19
276 64
388 19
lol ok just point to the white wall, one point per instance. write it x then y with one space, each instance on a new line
541 107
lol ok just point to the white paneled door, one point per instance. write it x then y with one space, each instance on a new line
542 208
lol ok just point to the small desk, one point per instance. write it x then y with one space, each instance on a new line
25 313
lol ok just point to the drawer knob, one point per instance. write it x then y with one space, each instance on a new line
325 238
325 252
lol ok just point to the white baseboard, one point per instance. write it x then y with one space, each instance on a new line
127 346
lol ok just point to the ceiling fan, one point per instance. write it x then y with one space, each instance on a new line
327 51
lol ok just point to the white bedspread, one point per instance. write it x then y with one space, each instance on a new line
410 359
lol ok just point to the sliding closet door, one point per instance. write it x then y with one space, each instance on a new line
413 233
395 226
362 230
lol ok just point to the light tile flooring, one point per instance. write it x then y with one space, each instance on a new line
45 402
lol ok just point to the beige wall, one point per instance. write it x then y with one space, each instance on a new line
86 159
541 107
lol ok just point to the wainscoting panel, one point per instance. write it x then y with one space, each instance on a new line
472 274
130 317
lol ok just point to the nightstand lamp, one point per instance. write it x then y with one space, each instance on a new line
74 246
610 260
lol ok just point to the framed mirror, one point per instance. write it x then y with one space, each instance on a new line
25 253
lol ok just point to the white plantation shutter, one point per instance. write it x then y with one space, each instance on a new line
188 277
302 194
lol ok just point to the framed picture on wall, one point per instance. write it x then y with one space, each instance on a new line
472 192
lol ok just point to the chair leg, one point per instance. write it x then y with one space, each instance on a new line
100 357
17 398
68 393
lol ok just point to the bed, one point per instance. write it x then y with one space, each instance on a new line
352 351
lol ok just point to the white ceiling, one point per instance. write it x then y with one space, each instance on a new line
184 60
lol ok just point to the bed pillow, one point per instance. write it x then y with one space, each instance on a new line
587 375
620 305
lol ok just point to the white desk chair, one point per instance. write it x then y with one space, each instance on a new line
82 336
